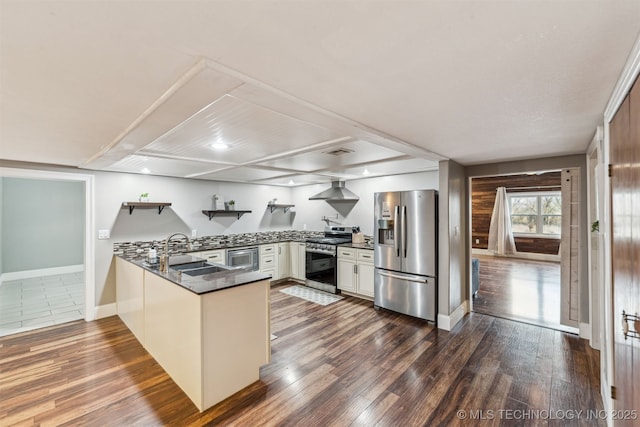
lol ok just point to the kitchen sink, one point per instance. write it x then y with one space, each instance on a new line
190 265
200 271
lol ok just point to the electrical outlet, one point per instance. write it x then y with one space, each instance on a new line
194 234
477 241
304 226
104 234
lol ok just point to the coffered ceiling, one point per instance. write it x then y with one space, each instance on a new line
304 92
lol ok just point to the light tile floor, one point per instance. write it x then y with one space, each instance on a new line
37 302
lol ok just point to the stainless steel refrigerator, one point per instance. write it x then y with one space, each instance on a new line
406 252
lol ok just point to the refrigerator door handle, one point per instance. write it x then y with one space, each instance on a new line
417 279
404 231
396 247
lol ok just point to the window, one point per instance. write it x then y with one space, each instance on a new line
536 213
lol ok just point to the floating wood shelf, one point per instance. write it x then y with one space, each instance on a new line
213 213
284 208
145 205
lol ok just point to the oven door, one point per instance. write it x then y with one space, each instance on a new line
321 270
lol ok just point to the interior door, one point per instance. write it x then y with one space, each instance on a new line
625 249
570 248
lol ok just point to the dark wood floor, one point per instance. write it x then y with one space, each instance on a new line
337 365
519 289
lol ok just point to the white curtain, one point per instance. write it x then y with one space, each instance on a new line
500 235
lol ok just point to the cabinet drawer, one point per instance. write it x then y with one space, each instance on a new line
347 253
267 249
267 261
365 255
211 256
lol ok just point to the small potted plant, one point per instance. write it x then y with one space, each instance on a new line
144 197
231 205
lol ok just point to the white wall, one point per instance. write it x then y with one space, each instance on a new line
452 265
310 212
190 197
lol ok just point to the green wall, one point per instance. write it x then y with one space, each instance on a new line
42 224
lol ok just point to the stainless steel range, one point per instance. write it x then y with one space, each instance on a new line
321 258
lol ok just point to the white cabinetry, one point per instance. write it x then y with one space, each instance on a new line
284 268
216 255
355 271
298 260
365 272
130 296
268 259
221 348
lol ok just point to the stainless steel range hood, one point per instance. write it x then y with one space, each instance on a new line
337 192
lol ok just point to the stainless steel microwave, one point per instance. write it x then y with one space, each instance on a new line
244 258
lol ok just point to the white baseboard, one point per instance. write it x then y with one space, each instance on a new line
28 274
519 255
447 322
585 331
106 310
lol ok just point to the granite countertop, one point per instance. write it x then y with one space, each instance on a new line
202 284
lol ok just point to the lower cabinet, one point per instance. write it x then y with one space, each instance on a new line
284 269
211 345
268 260
298 260
355 271
130 296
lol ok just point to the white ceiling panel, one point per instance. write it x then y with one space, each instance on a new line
88 83
392 167
242 174
162 166
296 180
349 153
250 132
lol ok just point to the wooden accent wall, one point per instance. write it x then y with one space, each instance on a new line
483 197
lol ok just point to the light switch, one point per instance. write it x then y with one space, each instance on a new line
194 234
104 234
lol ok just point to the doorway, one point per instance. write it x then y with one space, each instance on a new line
46 256
527 285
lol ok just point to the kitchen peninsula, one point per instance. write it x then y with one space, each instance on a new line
210 333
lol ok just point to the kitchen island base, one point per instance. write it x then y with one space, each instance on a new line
213 344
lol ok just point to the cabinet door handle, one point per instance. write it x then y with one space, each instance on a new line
355 269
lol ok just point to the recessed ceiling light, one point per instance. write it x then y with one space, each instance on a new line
291 182
366 171
219 146
145 170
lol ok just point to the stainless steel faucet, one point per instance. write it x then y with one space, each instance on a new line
164 259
